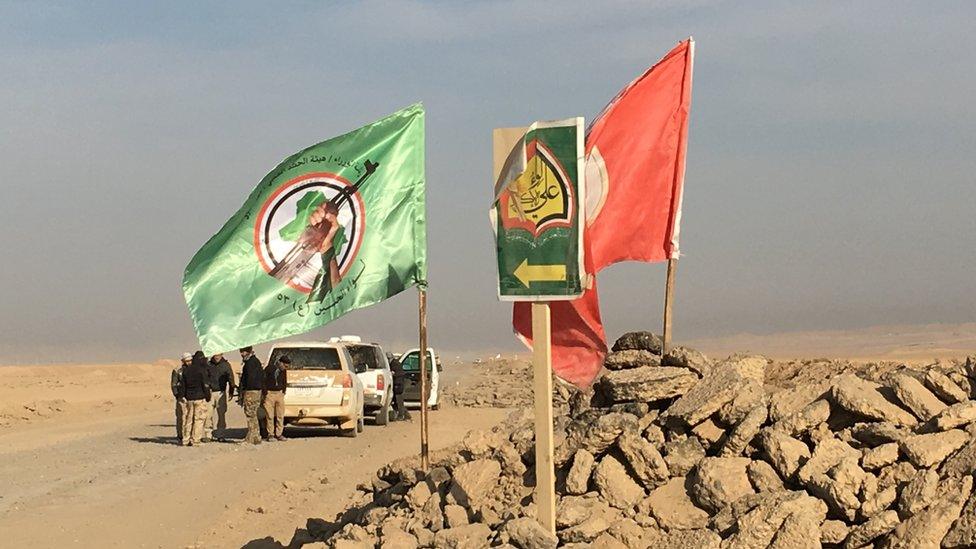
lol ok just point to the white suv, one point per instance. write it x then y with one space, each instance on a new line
323 388
374 372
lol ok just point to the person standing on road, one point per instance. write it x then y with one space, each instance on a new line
249 393
222 387
177 385
196 378
399 383
275 385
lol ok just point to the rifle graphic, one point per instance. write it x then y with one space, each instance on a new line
313 235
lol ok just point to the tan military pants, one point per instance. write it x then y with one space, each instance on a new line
274 411
194 419
252 401
180 411
217 418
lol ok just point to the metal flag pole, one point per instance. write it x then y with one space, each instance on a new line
668 302
424 389
545 478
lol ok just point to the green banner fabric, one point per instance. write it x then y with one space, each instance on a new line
537 215
338 226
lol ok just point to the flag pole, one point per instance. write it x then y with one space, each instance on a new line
424 390
545 478
668 302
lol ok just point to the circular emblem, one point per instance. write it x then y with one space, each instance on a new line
308 232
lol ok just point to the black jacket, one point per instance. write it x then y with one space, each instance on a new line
221 375
275 378
399 377
252 376
196 381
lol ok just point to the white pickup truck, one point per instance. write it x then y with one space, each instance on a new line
411 366
374 371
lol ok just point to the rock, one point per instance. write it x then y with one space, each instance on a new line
418 495
943 387
527 533
431 515
573 510
962 462
875 458
623 360
792 517
350 544
719 481
787 402
786 454
743 433
879 525
673 508
963 531
708 432
469 536
749 396
683 357
841 500
642 341
646 384
686 539
714 391
681 456
954 416
763 477
636 409
833 532
862 397
919 493
655 436
586 531
895 474
607 540
455 515
578 479
475 482
615 485
874 434
808 417
878 502
630 533
929 450
644 460
596 436
927 528
395 538
827 454
915 396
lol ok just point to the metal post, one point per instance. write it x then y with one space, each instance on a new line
668 300
424 389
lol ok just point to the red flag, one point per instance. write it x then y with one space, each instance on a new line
635 164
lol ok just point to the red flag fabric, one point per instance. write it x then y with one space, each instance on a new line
635 164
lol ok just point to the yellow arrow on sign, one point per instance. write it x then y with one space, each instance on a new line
539 273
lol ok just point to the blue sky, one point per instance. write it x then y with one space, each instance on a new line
830 167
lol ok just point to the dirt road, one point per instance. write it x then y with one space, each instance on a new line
95 464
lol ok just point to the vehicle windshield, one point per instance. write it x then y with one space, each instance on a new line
411 362
309 358
370 355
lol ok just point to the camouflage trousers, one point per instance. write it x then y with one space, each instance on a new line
252 401
180 411
274 411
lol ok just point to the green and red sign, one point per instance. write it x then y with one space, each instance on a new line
538 214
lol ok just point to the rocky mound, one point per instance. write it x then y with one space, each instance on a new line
678 451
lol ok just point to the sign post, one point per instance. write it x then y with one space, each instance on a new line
537 217
668 301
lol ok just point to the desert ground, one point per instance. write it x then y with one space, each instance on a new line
90 457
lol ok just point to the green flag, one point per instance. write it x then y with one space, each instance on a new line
338 226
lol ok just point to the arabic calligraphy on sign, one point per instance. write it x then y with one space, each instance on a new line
541 197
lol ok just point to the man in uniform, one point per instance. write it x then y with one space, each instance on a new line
249 393
400 412
196 380
222 387
176 384
275 385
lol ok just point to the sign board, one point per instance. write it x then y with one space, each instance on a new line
537 214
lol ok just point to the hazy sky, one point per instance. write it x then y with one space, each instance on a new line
830 179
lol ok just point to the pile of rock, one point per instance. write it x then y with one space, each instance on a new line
502 383
678 451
